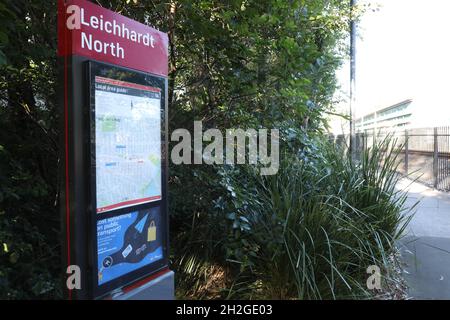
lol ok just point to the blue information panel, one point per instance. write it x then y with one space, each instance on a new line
128 242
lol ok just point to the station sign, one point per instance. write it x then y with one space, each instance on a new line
114 120
88 30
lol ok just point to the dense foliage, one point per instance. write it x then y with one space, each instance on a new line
29 220
311 231
235 63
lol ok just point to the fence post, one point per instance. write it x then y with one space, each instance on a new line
406 151
366 140
435 158
363 144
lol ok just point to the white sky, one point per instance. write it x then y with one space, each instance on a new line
403 52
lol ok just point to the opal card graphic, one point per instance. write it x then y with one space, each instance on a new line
128 242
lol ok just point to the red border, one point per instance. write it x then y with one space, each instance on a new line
127 203
126 84
65 45
66 140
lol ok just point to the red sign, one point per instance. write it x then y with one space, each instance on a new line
100 34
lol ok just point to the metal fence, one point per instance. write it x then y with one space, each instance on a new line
424 154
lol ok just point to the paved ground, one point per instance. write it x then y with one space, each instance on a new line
425 249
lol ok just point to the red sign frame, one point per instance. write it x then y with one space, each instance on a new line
88 36
85 36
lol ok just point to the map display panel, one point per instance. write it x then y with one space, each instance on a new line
127 144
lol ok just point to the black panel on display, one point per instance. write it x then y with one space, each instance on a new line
128 175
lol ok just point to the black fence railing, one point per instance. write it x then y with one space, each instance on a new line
424 154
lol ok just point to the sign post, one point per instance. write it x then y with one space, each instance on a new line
114 118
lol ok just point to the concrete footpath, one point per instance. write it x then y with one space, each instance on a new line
425 249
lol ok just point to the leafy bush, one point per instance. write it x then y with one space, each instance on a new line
311 231
29 258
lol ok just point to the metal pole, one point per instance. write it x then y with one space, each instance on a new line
435 158
406 151
364 143
352 70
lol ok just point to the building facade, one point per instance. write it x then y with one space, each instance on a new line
391 118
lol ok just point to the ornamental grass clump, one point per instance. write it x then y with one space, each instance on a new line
312 230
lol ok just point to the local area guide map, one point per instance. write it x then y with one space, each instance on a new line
127 144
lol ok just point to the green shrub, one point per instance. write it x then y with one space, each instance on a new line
311 231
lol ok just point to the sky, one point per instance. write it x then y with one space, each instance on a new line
403 52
